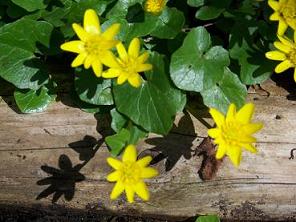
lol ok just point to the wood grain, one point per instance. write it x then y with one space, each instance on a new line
64 141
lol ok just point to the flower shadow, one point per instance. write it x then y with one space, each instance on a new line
87 147
62 181
166 148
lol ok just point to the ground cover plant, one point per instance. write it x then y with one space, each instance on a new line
141 62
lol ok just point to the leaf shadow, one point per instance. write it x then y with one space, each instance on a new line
62 181
165 147
41 76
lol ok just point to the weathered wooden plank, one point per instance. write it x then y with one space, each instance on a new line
263 188
61 125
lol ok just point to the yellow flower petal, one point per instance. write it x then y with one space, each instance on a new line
109 60
274 17
144 67
122 78
97 67
91 22
245 114
142 191
235 155
284 48
81 33
214 132
250 147
274 5
145 161
114 163
130 193
283 66
73 46
88 61
135 80
111 32
286 41
252 127
117 190
134 48
111 73
275 55
79 60
121 51
217 116
143 58
221 151
114 176
282 27
231 112
130 154
148 172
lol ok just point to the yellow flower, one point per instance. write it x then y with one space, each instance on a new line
155 6
129 175
93 48
286 53
234 132
285 13
128 65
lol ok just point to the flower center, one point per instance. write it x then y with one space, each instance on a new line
292 56
97 45
129 65
288 10
232 132
130 173
155 5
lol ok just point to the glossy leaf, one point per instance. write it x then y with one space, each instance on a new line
91 89
33 101
30 5
196 66
145 105
117 142
18 63
228 90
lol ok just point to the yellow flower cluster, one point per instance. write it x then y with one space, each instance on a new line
94 50
285 13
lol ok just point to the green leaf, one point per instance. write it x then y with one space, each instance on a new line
197 66
208 218
118 120
208 12
18 63
195 3
120 9
32 101
136 133
169 24
154 104
118 141
254 67
84 106
228 90
30 5
91 89
57 14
